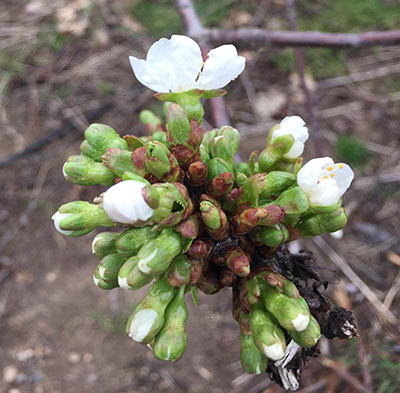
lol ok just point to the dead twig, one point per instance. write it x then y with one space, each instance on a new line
341 370
370 295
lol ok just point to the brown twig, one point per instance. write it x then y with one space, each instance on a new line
312 119
341 370
194 28
258 37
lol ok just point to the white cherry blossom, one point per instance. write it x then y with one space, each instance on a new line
293 125
176 65
323 181
124 202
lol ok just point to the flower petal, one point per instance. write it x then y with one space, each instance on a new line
222 66
326 193
311 173
170 65
343 175
57 217
123 202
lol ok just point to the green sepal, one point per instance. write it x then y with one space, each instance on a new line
104 244
130 277
85 171
171 341
133 142
109 267
147 317
118 161
133 176
156 255
268 338
132 240
309 337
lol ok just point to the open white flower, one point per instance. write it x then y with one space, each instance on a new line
293 125
124 202
57 217
176 65
323 181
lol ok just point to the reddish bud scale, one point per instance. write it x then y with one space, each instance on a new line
236 303
201 249
220 185
246 244
196 270
243 297
218 260
189 228
245 221
237 261
139 161
232 200
294 234
209 283
197 173
226 277
176 174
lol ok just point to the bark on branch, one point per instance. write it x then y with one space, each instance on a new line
257 37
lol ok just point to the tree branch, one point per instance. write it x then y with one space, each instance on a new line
257 37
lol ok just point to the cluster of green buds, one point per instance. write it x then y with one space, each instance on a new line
187 217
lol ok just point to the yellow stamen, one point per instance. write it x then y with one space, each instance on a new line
341 166
332 175
326 177
330 168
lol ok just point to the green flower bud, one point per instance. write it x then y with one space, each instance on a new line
208 135
293 201
170 201
118 161
215 220
160 136
248 219
237 261
204 156
320 223
130 277
104 244
290 314
134 142
87 172
179 272
242 167
157 159
232 134
79 218
240 179
147 317
220 185
253 361
268 338
309 337
152 122
103 284
170 343
189 228
275 183
218 166
109 267
271 156
100 138
270 236
131 241
220 147
156 255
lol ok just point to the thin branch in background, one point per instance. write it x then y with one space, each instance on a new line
261 38
194 28
368 293
312 119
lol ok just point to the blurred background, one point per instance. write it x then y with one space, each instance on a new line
65 64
